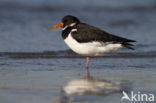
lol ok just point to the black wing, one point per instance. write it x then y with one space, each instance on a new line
87 33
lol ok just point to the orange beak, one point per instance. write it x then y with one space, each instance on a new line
56 26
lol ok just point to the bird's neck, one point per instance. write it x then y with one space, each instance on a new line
66 32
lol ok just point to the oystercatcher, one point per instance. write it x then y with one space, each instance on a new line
88 40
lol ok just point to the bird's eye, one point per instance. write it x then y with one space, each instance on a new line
64 21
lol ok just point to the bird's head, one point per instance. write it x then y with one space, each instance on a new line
66 22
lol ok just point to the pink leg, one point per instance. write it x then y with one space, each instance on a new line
87 65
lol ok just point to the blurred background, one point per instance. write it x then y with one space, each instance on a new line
35 64
23 23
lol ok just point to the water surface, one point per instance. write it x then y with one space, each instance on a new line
35 64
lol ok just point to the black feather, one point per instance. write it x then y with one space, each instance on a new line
66 32
87 33
128 45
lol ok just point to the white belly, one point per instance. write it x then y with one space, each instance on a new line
92 48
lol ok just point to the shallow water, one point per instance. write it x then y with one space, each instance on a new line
41 80
35 64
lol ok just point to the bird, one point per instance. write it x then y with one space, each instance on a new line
88 40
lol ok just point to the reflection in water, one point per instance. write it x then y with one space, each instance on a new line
82 89
91 86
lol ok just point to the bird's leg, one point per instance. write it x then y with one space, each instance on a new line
87 65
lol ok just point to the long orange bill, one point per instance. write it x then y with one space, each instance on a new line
56 26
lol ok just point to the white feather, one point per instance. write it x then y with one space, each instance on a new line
72 24
91 48
68 26
65 27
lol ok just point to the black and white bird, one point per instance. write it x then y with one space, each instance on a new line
88 40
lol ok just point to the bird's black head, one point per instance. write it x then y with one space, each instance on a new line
70 20
66 22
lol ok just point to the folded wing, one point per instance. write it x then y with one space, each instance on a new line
86 33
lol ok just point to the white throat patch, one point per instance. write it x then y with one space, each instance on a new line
65 27
68 26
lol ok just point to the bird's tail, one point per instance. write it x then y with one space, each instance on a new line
128 45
